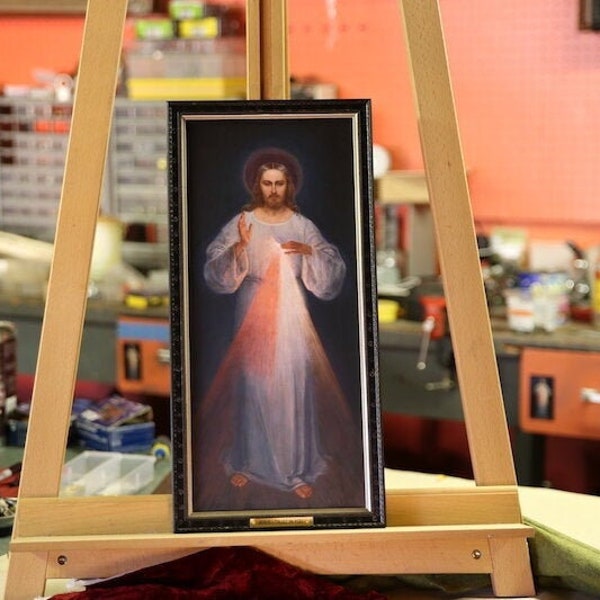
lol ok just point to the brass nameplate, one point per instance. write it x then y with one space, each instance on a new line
282 522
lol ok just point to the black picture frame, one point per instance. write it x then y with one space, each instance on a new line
276 417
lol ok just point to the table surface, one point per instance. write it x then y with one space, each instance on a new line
573 335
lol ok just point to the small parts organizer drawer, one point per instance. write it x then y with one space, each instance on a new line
143 356
559 393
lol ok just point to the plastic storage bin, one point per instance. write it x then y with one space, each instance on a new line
106 473
135 472
88 473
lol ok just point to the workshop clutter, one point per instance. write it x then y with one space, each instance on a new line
196 51
113 424
8 369
106 474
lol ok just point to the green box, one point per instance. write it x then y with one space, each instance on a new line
155 29
186 9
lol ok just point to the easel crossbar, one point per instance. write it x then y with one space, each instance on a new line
464 549
272 538
153 514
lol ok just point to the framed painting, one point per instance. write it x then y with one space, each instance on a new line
275 393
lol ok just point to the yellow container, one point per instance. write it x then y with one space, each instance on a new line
209 88
388 310
206 28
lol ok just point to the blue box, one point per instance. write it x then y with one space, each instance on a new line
16 432
138 437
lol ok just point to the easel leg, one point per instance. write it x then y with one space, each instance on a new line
26 577
67 289
511 575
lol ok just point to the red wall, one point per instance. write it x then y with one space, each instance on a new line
526 83
527 89
30 43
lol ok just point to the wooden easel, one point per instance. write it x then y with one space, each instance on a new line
473 530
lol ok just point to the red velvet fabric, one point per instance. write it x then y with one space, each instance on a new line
221 574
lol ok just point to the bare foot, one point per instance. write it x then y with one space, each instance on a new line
303 491
238 480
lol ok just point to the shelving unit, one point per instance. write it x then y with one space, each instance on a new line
33 143
137 166
34 134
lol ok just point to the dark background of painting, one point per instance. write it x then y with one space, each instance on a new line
216 151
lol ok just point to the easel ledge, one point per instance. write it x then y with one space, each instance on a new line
438 531
95 537
470 530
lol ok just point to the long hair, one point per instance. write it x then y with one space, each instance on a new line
257 199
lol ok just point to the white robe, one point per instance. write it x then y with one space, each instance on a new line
276 360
